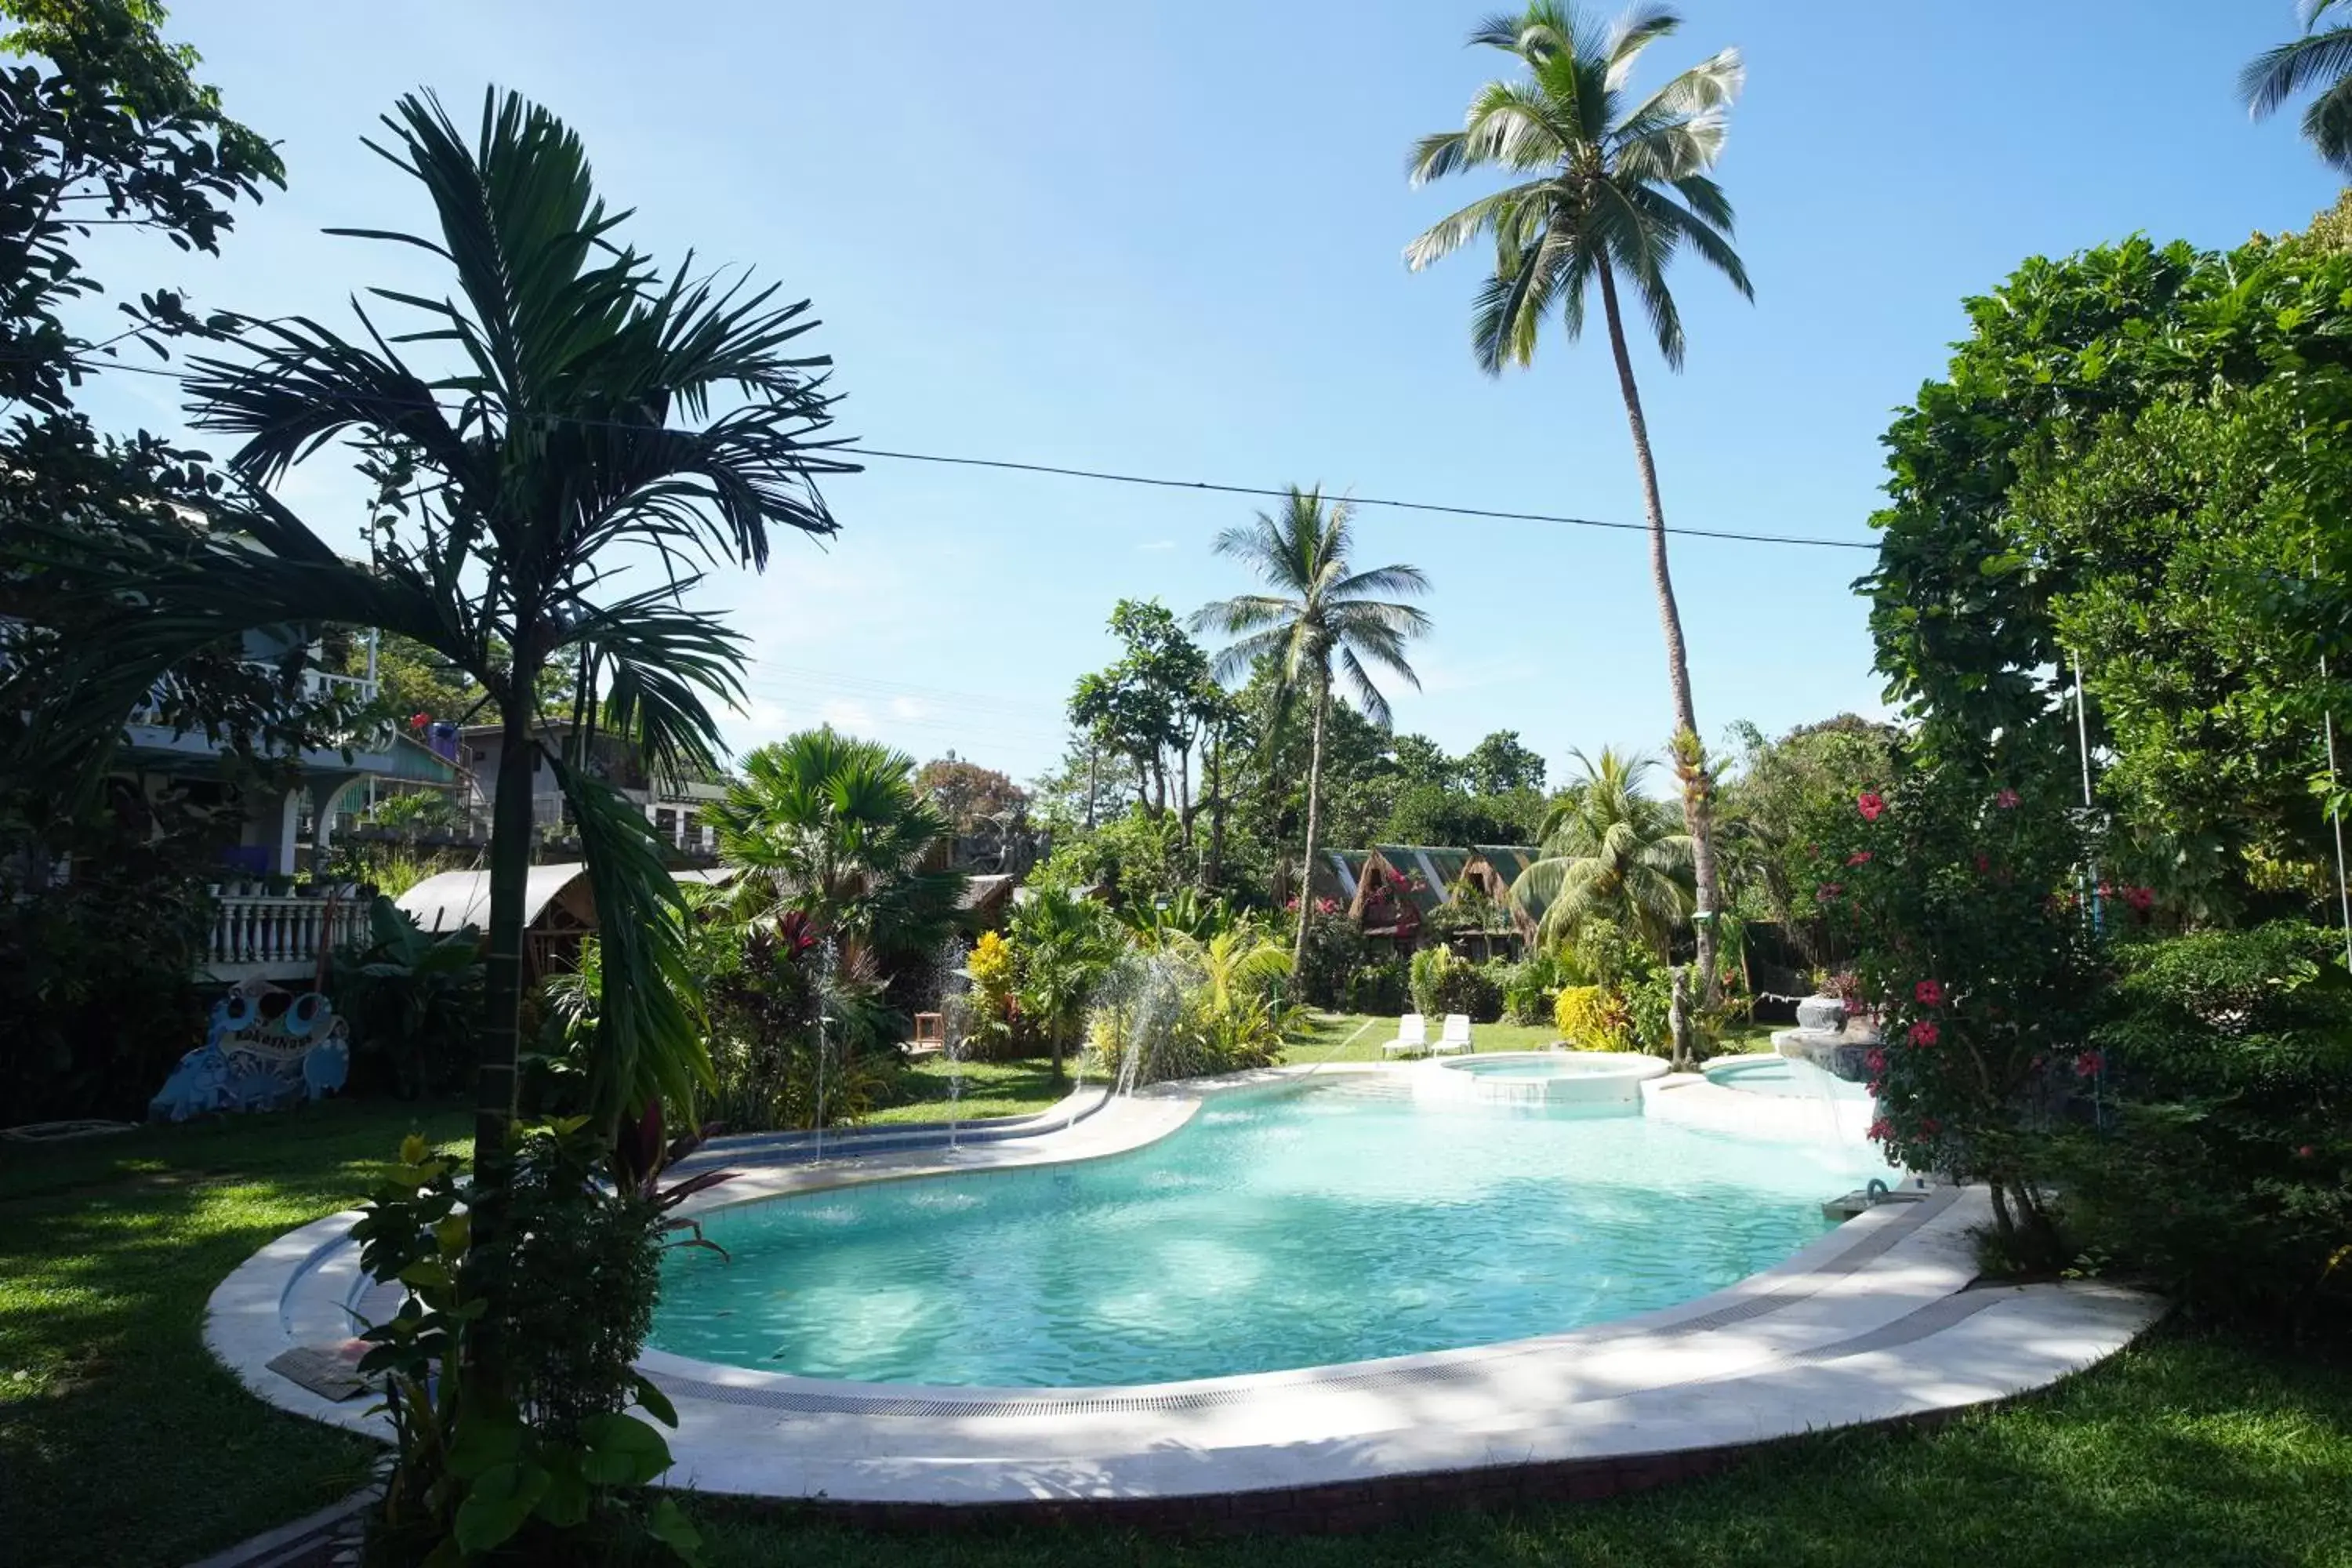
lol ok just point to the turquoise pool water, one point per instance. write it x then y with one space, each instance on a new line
1288 1227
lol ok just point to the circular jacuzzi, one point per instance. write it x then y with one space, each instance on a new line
1606 1079
1786 1078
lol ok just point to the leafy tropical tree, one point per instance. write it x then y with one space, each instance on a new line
1066 944
1615 189
2321 59
1609 853
1318 619
834 827
549 514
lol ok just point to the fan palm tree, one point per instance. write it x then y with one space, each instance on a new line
1609 853
1320 617
1612 192
834 827
2322 58
539 510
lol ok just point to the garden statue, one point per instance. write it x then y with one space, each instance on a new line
265 1049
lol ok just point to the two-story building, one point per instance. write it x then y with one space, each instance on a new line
679 812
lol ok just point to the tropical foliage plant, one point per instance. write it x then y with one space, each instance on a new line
1608 188
1609 853
414 999
1067 943
833 828
1319 622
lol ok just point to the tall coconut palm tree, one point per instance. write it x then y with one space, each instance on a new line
541 510
1609 853
1318 618
1615 189
833 826
2321 59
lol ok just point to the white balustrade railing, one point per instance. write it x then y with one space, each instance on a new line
282 933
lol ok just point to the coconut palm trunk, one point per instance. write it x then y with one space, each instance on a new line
1314 822
1698 818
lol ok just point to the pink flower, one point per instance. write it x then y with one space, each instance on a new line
1931 993
2006 800
2088 1063
1925 1032
1291 906
2305 1152
2141 900
1827 891
1984 862
1871 803
1326 906
1880 1130
1859 858
1876 1061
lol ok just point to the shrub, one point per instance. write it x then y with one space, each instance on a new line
546 1461
1971 947
1444 982
1335 948
2226 1172
991 1015
772 1065
1379 988
1195 1007
1531 987
1592 1019
413 999
1649 1004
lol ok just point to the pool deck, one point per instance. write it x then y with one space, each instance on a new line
1877 1322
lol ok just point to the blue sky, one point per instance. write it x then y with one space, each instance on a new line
1164 239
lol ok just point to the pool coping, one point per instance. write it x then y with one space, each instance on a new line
1875 1321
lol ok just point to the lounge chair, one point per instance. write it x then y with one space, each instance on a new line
1456 1036
1411 1036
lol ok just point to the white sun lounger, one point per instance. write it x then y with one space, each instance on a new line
1411 1036
1456 1036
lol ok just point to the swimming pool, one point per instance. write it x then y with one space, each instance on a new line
1783 1075
1338 1220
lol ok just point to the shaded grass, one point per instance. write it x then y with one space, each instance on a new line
989 1088
2183 1451
121 1441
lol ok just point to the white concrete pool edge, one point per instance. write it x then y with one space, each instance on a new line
1871 1322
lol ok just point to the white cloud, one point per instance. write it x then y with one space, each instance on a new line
855 716
908 708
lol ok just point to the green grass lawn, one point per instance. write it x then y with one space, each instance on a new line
121 1441
2184 1452
989 1088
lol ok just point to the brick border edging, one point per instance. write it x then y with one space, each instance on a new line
1342 1508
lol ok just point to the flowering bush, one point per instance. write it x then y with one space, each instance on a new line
1976 954
1444 982
1592 1019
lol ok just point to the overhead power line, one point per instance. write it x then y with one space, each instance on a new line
1209 487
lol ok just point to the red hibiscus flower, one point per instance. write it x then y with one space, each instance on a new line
1881 1130
1925 1032
1827 891
1859 858
1928 1124
1871 803
1931 993
1875 1062
2006 800
2141 900
2088 1063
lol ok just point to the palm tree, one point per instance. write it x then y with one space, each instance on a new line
1609 853
2321 59
1614 190
1318 616
834 827
1065 944
538 509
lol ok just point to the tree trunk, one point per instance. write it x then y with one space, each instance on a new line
1698 811
1093 768
1314 822
1060 1074
1217 783
494 1075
